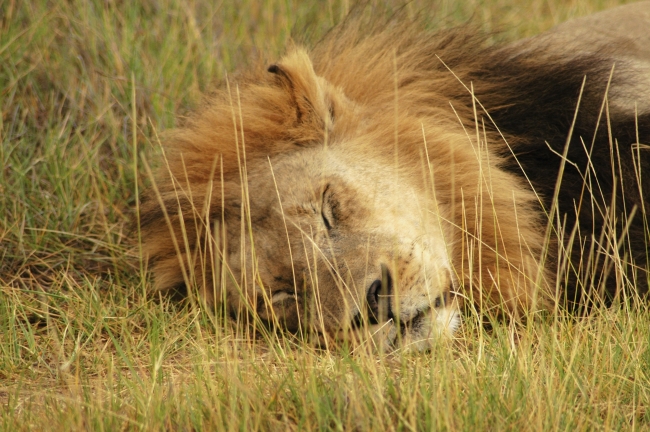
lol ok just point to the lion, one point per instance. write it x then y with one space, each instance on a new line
389 177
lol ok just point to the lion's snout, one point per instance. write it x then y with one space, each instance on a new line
380 296
401 311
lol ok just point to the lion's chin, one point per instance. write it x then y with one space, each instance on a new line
419 333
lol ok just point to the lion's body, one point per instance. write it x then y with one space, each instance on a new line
373 160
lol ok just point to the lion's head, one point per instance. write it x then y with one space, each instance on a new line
338 229
331 195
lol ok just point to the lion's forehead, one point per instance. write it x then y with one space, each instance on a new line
357 182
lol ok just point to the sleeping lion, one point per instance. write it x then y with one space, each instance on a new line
389 175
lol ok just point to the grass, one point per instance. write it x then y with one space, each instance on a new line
85 87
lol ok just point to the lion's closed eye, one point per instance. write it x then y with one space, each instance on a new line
326 209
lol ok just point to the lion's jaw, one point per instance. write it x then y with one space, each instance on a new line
340 221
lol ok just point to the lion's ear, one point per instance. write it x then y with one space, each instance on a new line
295 73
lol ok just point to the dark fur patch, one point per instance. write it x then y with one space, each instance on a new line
537 118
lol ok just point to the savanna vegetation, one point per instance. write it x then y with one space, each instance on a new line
86 89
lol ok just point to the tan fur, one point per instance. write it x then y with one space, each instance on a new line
356 132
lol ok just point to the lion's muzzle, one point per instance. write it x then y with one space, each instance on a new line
412 320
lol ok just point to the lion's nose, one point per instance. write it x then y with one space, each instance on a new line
378 298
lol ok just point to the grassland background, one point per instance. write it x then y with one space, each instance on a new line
85 87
